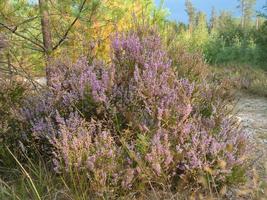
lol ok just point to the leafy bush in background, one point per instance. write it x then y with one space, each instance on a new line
226 42
133 125
262 42
239 49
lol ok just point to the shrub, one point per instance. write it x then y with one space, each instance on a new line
133 125
251 80
190 65
242 47
11 95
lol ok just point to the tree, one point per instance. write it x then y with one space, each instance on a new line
262 37
201 20
213 20
27 30
225 21
247 8
201 33
191 12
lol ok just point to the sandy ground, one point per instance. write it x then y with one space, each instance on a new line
252 113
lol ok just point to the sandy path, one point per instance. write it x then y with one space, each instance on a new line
252 112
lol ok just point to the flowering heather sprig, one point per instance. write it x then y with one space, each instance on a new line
84 145
160 156
75 81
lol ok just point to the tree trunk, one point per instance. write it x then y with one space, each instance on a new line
257 23
242 8
47 38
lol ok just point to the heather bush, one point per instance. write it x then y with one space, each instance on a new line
11 95
134 125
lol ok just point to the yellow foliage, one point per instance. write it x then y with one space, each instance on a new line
111 16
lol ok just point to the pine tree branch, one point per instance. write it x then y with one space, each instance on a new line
14 31
70 27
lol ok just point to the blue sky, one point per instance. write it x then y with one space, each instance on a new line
177 7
